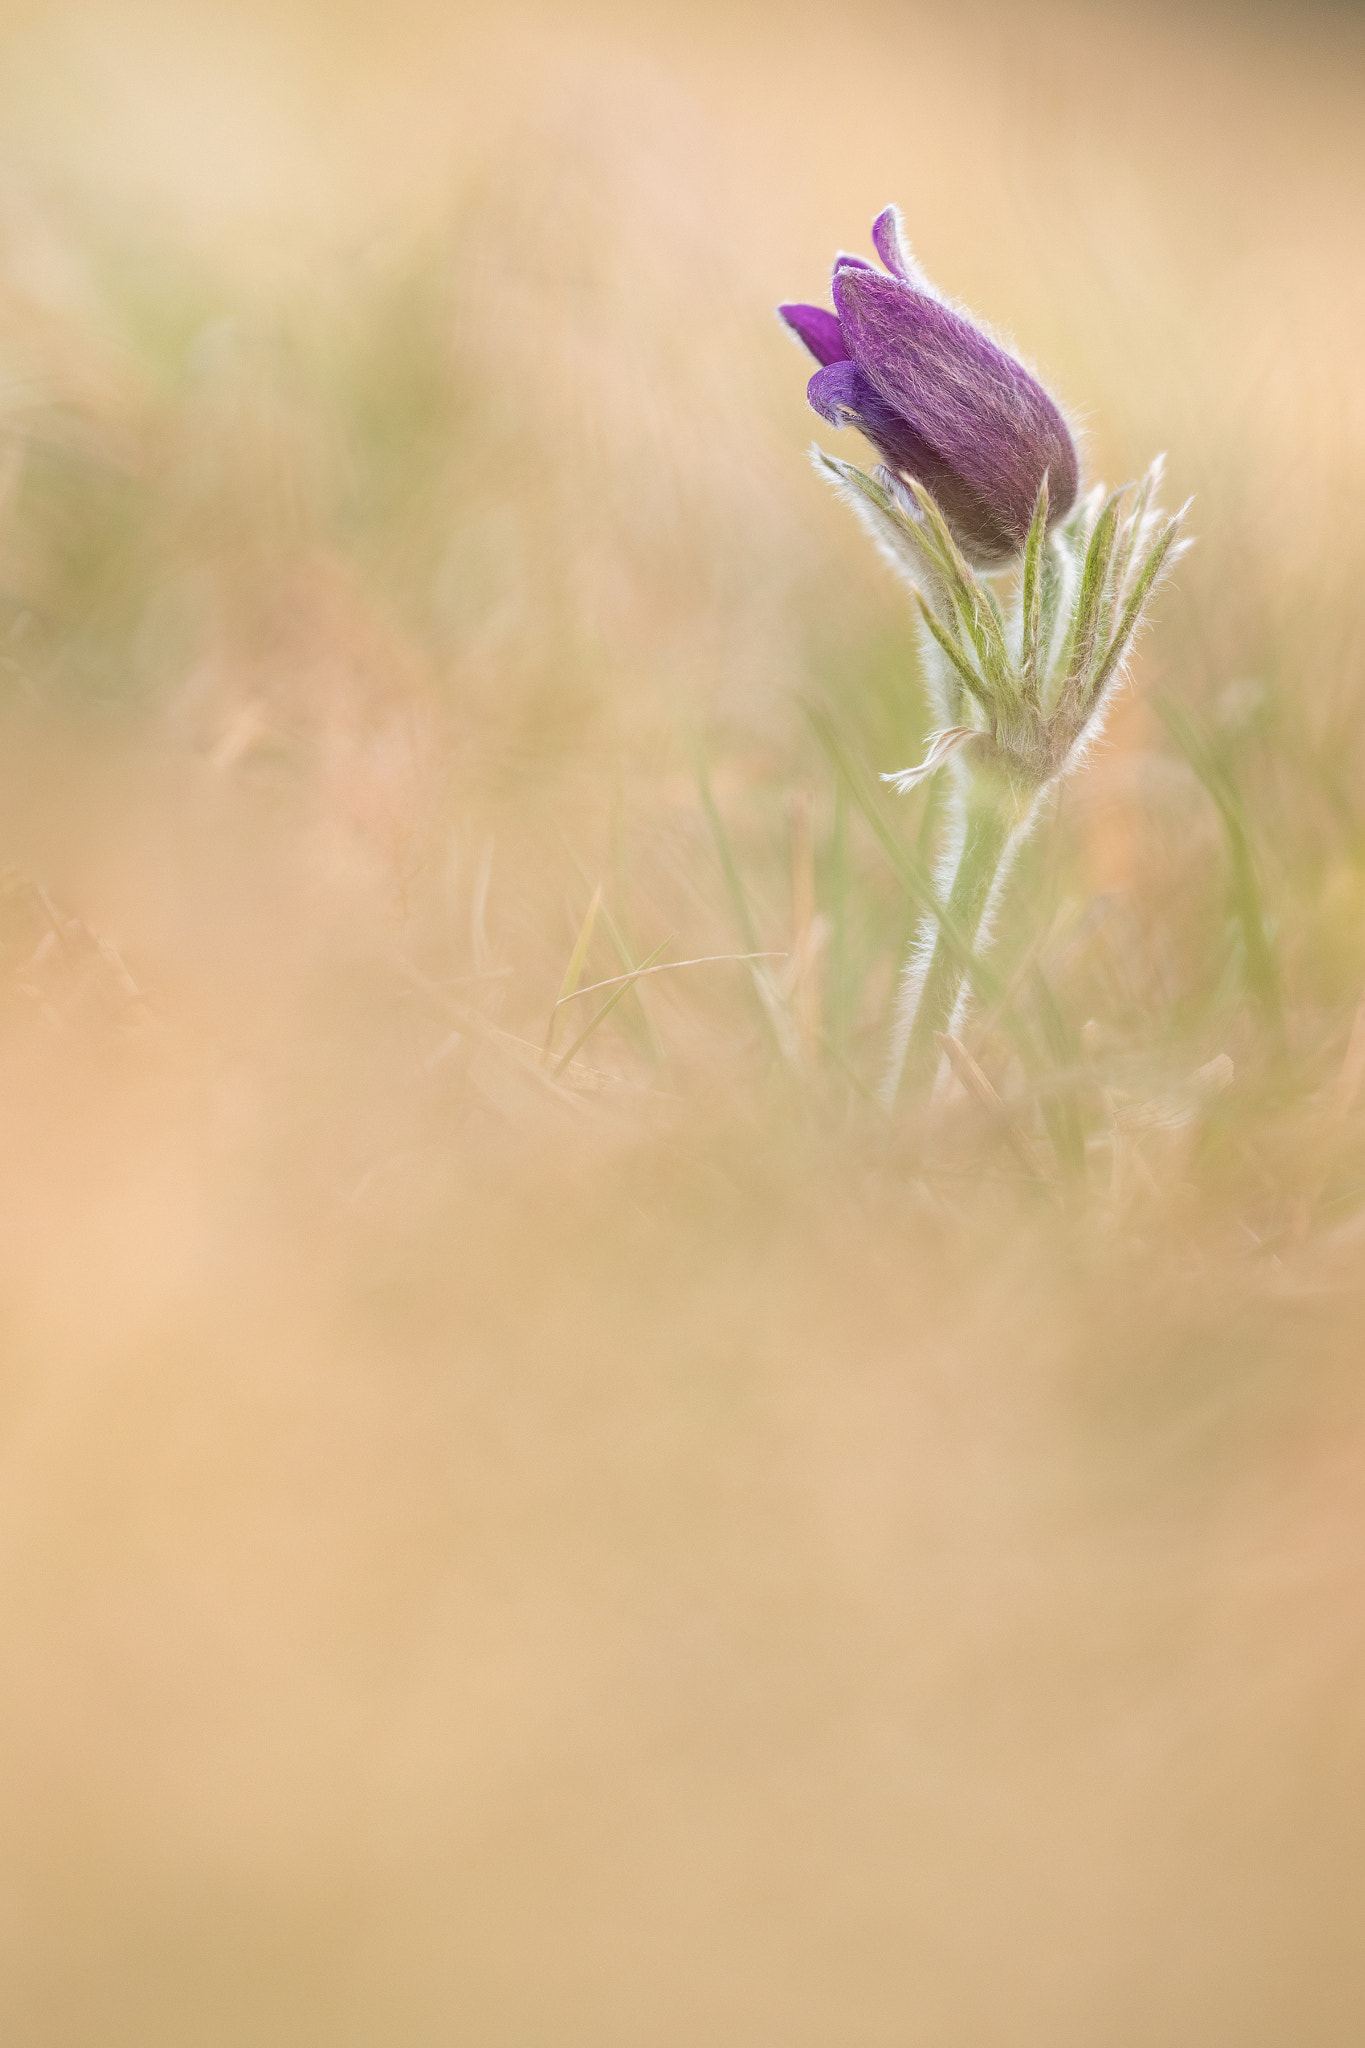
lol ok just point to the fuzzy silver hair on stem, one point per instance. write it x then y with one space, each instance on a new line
980 472
1021 699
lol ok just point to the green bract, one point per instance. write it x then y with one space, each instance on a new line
1019 696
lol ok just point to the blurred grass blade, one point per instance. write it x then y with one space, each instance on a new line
637 974
610 1004
838 997
573 972
913 877
478 910
979 1086
1260 965
652 1044
739 900
769 1003
1060 1109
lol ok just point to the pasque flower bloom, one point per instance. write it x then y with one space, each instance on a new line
978 468
938 398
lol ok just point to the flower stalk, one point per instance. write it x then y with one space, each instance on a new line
1020 700
934 976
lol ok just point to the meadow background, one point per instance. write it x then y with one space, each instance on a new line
638 1550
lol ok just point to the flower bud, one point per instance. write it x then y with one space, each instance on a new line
938 398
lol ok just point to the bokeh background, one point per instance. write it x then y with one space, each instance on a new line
635 1550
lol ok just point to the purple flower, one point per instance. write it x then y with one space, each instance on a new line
937 398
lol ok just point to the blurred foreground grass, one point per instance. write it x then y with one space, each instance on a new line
636 1549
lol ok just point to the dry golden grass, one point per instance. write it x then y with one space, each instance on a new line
644 1553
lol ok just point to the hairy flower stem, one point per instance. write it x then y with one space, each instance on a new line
934 973
1019 698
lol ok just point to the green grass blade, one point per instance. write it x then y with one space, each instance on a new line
740 903
1060 1109
839 1004
652 1045
913 877
616 996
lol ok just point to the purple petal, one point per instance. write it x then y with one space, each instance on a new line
842 395
886 240
987 420
843 261
833 393
819 329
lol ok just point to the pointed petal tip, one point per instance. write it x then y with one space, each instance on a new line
888 243
843 263
864 287
817 329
